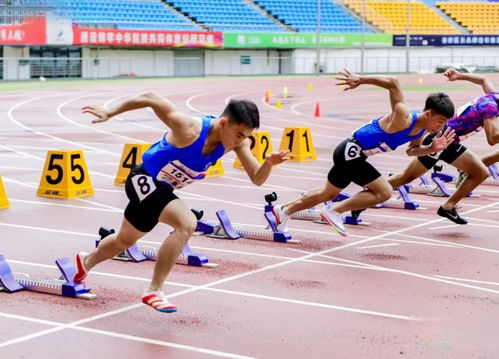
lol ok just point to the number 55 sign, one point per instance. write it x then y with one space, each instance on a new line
65 175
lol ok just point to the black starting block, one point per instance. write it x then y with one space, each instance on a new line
13 282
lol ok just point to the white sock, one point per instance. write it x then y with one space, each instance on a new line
148 291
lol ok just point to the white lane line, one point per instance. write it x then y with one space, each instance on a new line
459 245
379 245
403 272
11 225
469 224
40 133
59 326
468 280
91 128
64 205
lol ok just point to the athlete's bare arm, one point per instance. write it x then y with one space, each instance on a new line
454 75
258 173
491 127
399 119
439 143
181 125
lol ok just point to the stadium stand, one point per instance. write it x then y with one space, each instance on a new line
227 15
124 14
391 17
478 17
302 15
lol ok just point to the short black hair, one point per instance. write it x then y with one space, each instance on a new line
242 112
440 103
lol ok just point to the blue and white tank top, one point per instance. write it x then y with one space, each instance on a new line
178 167
374 139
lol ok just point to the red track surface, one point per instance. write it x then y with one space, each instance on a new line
410 284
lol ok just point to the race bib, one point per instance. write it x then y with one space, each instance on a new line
143 185
178 175
352 151
464 107
383 147
463 137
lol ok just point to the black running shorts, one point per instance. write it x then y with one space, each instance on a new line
148 198
448 155
350 165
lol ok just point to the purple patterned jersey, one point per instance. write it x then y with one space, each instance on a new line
469 118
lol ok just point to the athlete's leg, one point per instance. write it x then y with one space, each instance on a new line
184 222
414 169
312 198
113 244
490 158
477 173
378 191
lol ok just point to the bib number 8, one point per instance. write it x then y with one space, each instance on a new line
143 185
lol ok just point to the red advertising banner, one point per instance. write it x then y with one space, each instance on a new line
113 37
30 32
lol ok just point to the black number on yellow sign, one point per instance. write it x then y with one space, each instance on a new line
267 144
306 140
253 142
131 159
77 167
59 171
291 135
52 166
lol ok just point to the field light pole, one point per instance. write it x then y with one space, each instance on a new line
318 37
362 36
408 37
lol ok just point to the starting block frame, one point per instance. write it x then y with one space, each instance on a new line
403 201
138 253
13 282
224 229
493 179
424 186
441 189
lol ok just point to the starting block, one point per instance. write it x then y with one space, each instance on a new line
224 229
424 186
494 175
313 214
143 253
441 190
403 201
14 282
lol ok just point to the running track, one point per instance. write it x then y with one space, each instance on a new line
409 285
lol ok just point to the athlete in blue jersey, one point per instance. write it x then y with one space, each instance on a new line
181 157
383 134
480 113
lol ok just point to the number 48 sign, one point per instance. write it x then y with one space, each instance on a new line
65 175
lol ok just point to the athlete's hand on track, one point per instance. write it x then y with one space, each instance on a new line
277 157
452 74
98 111
442 140
349 80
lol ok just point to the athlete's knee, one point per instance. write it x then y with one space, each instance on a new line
124 240
187 226
384 194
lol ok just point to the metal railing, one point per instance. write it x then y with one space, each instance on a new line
247 65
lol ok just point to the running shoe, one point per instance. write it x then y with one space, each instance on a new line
81 272
281 218
157 300
452 215
334 219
